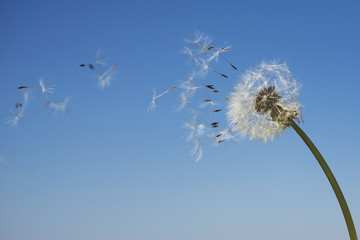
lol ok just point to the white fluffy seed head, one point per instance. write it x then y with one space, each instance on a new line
242 113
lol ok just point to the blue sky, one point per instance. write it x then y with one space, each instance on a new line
108 169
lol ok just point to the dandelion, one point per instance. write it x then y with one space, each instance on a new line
264 104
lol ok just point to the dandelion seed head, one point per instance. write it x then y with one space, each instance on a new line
264 102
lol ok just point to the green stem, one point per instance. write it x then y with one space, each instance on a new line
332 180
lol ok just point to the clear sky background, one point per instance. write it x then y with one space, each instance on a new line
107 169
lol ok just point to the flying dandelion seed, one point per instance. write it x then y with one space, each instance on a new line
105 78
202 41
152 105
17 115
44 88
196 130
218 52
58 107
205 67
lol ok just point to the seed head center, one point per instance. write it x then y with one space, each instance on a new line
266 99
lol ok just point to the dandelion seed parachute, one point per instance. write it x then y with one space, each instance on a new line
44 88
152 105
58 107
19 114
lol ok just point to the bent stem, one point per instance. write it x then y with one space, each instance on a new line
331 178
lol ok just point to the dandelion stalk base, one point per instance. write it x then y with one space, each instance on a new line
331 178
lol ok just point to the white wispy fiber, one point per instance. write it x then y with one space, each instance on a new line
59 107
19 114
264 101
105 78
44 88
197 150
